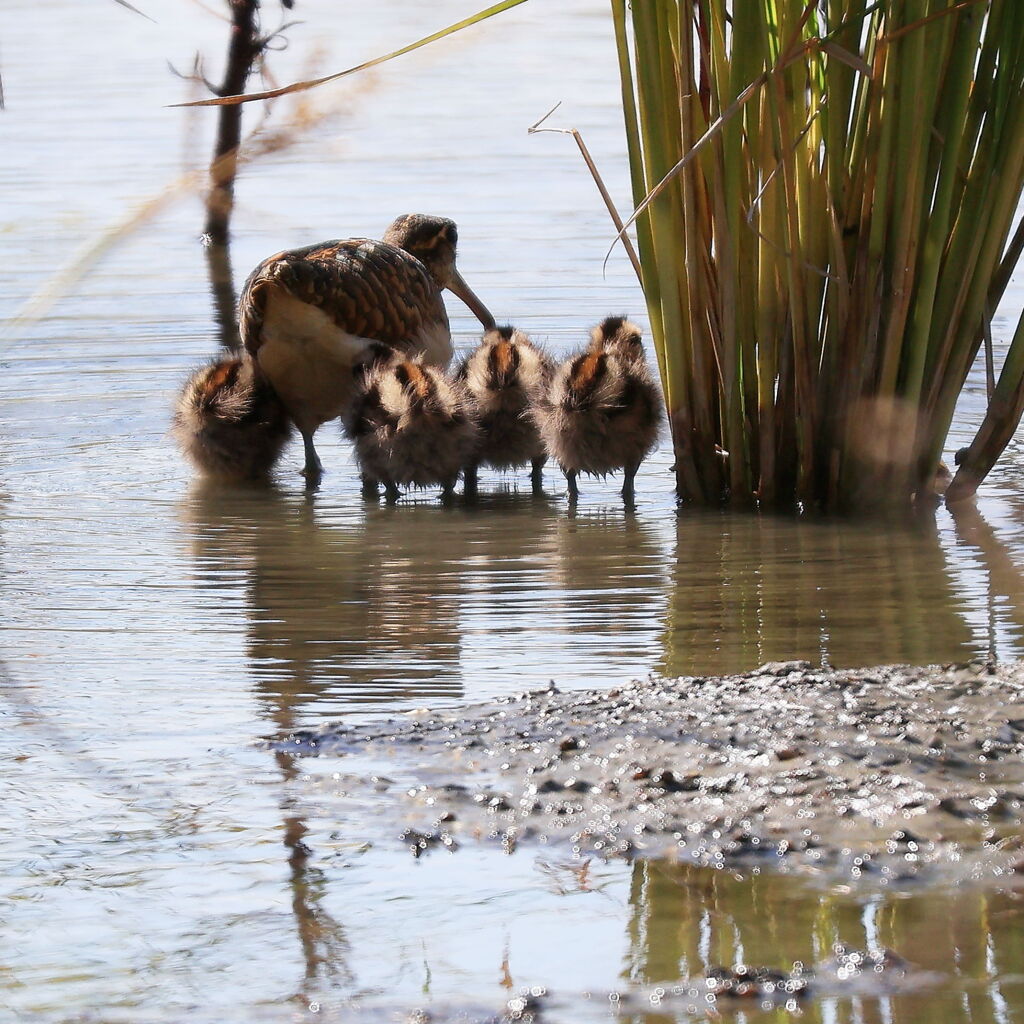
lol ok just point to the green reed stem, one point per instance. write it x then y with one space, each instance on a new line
817 264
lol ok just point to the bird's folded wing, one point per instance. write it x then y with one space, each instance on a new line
367 288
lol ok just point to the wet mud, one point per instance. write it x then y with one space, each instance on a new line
886 775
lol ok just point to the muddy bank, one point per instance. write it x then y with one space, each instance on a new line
878 773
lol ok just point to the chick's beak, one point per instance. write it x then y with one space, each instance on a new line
458 287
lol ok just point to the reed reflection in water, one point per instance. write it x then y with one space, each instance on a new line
745 590
964 944
1002 587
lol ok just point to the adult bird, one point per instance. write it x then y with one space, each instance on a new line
312 317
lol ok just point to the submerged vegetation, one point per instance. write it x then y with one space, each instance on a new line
827 192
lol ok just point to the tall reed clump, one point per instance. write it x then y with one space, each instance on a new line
827 192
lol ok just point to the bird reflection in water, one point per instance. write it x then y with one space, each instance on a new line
347 606
610 571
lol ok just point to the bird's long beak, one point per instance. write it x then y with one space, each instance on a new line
459 287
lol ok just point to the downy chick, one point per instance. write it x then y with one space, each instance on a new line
411 425
603 408
506 376
229 422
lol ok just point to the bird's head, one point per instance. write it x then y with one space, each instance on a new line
618 333
432 240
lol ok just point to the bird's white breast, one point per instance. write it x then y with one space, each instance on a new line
308 358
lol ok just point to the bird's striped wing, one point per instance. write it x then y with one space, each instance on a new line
368 288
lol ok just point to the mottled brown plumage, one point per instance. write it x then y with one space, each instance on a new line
229 422
311 317
367 288
506 376
411 425
603 407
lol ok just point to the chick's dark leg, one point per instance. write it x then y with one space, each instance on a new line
627 483
469 481
537 474
391 492
570 476
313 469
370 488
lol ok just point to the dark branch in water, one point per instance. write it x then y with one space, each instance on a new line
244 50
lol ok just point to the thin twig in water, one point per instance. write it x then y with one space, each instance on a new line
594 173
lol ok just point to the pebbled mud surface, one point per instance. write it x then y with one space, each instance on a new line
890 773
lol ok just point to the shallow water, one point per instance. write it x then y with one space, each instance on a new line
154 628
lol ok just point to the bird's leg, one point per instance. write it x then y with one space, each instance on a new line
574 491
370 487
469 481
313 469
448 491
537 474
627 483
391 491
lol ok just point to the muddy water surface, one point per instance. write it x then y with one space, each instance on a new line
156 862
